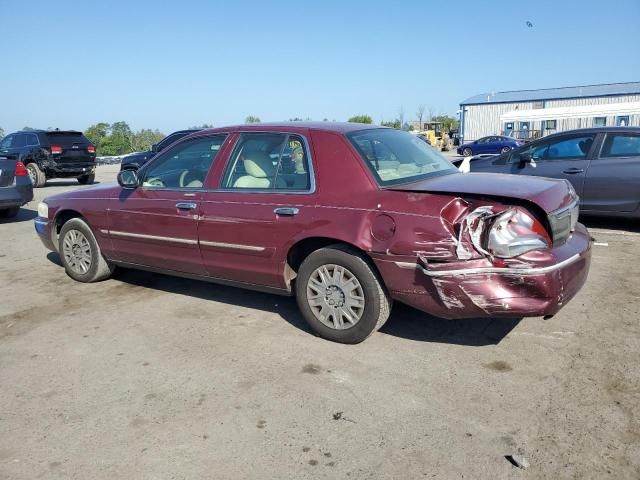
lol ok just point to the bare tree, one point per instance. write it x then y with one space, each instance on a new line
420 114
431 111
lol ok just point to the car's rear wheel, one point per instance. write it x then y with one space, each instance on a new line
467 152
86 179
340 295
505 149
9 212
38 178
80 253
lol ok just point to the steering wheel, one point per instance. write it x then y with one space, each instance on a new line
153 182
182 178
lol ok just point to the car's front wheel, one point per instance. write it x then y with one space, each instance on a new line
80 253
467 152
86 179
340 294
505 149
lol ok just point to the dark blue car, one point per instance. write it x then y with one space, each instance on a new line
137 160
493 144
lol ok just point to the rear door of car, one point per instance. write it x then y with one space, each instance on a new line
612 183
565 156
253 214
156 224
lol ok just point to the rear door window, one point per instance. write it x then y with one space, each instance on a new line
32 140
621 145
268 161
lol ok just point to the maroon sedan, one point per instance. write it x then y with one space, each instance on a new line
347 217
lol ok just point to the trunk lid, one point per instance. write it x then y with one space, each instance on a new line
74 147
550 194
7 172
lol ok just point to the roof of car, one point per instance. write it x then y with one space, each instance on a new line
337 127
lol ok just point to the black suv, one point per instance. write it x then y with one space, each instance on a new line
52 154
137 160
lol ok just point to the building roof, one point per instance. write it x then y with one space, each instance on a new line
608 89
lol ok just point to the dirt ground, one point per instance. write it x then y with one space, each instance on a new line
151 377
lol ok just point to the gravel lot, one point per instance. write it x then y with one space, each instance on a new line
147 376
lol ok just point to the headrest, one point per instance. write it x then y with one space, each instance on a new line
258 164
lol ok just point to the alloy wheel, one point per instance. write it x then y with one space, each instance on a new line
335 296
77 251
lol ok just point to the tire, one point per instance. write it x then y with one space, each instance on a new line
9 212
348 264
87 179
505 149
38 178
467 152
80 253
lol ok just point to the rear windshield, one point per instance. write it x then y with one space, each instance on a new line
397 157
67 139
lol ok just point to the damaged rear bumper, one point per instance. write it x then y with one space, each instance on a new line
536 284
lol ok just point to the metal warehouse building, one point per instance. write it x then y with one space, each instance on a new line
531 114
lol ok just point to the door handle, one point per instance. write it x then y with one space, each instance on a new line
573 170
186 206
286 211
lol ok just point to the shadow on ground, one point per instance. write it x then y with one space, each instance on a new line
24 215
405 322
609 223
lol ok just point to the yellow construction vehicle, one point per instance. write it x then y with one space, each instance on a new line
436 135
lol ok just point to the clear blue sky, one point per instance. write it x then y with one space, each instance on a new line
70 64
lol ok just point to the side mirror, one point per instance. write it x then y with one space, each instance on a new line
154 147
128 179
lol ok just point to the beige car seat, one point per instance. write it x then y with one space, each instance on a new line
260 171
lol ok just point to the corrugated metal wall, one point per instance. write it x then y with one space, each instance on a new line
483 120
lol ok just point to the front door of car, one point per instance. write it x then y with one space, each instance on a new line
612 180
265 199
562 157
156 224
11 146
481 146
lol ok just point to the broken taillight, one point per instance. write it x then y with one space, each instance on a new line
515 232
21 170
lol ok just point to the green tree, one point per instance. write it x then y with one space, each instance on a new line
97 133
360 119
204 125
143 139
252 119
393 124
448 123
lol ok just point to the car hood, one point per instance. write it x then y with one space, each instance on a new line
548 193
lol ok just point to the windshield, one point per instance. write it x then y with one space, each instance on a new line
397 157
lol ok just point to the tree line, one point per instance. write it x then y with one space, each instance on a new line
118 139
